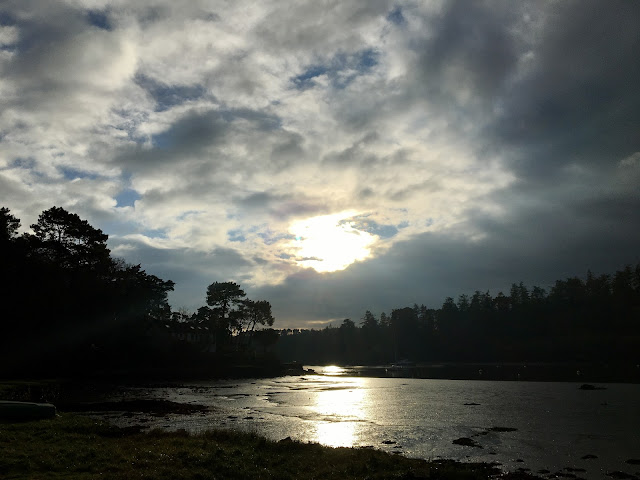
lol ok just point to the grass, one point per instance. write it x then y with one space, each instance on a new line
76 447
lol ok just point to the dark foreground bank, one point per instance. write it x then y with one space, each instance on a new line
76 447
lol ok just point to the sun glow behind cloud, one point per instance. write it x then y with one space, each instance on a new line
330 242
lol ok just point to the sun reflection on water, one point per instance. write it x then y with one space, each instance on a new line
340 407
332 370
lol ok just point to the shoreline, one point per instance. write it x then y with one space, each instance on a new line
79 447
137 417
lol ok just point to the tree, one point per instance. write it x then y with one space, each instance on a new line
225 300
348 325
257 313
70 241
463 302
8 225
369 321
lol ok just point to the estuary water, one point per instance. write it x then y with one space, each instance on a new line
529 425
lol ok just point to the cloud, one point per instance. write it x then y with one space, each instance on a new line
477 144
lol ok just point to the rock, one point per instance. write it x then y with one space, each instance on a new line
633 461
574 470
544 471
622 475
388 442
467 442
502 429
589 457
587 386
286 440
472 404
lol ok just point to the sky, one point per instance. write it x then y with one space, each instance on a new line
331 157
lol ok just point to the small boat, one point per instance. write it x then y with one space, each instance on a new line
19 411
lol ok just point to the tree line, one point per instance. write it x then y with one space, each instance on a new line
596 319
70 307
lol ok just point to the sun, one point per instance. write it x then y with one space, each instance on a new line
330 242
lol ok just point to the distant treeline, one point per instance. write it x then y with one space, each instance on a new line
592 320
70 308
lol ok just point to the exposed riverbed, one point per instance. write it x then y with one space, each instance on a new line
522 425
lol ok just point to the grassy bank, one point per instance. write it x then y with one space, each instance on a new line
76 447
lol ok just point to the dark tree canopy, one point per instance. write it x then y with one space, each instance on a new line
67 239
73 307
222 297
58 225
257 312
8 225
592 320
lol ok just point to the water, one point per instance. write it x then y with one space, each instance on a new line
556 424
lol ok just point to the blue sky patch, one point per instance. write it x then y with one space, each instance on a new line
305 79
25 163
167 96
364 224
155 233
99 18
72 173
269 238
127 198
236 236
162 140
396 17
6 19
356 64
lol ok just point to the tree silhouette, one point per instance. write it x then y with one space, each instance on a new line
70 241
8 225
257 312
225 300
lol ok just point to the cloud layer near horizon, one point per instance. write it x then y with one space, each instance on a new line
478 144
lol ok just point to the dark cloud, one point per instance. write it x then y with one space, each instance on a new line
471 47
288 151
577 102
193 140
193 132
51 64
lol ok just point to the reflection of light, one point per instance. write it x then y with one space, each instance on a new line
330 242
342 405
333 370
336 434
